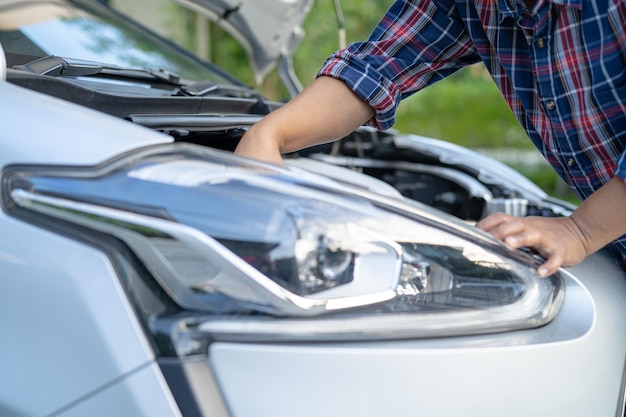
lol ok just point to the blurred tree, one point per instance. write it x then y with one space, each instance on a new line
322 31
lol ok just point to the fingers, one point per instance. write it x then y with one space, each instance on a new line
507 228
546 236
493 221
551 265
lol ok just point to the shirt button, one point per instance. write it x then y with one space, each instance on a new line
550 104
571 162
541 42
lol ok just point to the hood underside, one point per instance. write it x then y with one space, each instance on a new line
269 30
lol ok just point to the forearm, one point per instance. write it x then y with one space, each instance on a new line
601 218
325 111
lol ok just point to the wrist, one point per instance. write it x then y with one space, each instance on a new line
584 233
258 144
601 218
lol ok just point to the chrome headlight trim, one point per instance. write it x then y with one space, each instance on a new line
133 228
242 303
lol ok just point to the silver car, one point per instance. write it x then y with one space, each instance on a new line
148 271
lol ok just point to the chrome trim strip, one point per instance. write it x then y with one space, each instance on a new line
3 65
470 184
203 122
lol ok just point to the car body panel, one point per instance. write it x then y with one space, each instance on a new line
142 393
554 371
56 290
92 136
345 175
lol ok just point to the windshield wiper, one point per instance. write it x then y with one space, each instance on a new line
55 66
208 87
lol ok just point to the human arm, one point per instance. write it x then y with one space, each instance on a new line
325 111
405 53
566 241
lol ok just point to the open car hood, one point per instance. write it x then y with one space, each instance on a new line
269 30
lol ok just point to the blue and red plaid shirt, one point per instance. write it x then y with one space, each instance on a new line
561 69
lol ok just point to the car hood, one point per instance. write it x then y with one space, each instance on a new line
269 30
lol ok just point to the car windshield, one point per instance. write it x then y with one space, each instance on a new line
90 31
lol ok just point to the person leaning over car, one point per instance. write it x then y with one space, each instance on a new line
560 65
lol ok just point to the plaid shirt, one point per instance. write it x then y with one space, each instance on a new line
561 69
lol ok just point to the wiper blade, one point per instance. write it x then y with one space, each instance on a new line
196 122
55 66
208 87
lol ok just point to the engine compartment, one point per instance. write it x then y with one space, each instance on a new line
457 181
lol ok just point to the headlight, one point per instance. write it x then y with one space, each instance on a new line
260 252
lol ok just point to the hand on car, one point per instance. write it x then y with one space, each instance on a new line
566 241
559 240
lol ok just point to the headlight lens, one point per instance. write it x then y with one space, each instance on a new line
263 252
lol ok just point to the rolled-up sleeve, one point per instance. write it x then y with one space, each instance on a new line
620 169
415 44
